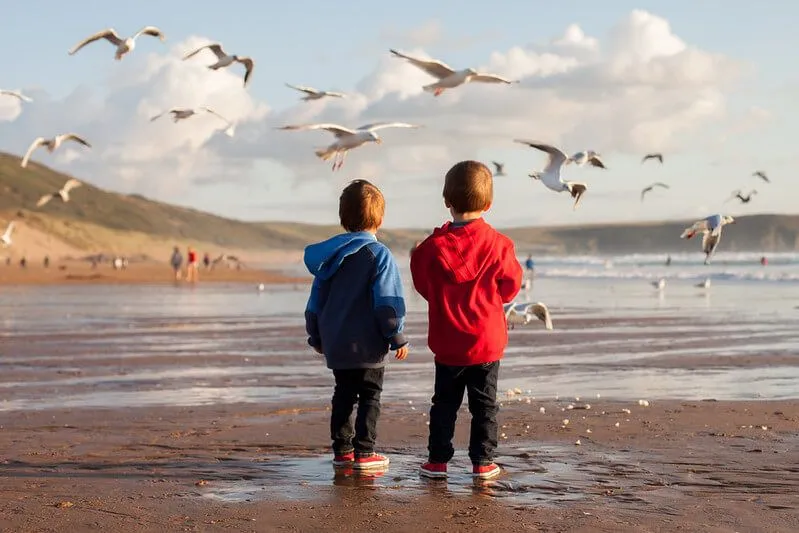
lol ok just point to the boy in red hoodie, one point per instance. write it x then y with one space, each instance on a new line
466 270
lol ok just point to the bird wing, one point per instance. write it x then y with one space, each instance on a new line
509 309
556 156
108 34
44 199
596 162
216 48
696 227
541 312
71 183
497 165
159 115
335 129
209 110
249 65
645 190
660 184
437 69
383 125
34 145
150 30
307 90
16 94
659 157
491 78
334 94
9 229
75 137
735 194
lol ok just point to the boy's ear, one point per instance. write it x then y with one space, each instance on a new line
487 207
446 203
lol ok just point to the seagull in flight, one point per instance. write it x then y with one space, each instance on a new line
225 60
762 175
524 313
63 193
589 156
5 238
346 138
710 228
314 94
15 94
52 144
123 45
744 199
180 113
499 168
550 176
657 156
649 188
448 78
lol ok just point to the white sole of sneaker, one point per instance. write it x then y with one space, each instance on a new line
488 475
433 475
342 463
371 466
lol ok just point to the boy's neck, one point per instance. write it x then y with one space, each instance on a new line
466 217
373 231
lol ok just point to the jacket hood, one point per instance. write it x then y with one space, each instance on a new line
323 259
463 251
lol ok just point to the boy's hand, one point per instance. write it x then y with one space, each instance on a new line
402 353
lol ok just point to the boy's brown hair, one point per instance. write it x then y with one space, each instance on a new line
361 206
469 187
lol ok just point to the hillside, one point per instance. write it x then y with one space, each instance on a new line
97 221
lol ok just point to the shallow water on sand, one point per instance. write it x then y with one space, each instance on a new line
115 346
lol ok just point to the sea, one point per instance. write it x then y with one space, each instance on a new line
615 335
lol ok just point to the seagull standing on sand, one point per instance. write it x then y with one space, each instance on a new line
499 168
744 199
346 138
448 78
589 156
225 60
314 94
704 284
123 45
524 313
657 156
710 228
5 238
63 193
659 284
647 189
16 94
52 144
762 175
550 176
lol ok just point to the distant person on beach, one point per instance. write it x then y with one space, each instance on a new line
466 271
191 266
23 263
176 261
46 261
206 261
668 261
354 316
763 261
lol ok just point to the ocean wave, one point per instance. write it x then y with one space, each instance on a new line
762 274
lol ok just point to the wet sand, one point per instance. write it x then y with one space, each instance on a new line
75 272
672 466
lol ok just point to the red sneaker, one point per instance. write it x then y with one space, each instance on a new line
486 471
344 460
434 470
371 462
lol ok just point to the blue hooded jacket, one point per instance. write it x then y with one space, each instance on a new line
356 310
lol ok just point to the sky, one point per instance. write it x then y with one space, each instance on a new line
710 84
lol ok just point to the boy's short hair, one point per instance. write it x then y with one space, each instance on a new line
361 206
469 187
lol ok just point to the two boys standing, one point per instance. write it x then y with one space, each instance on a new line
466 271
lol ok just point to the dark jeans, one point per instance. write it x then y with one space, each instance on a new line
480 384
361 385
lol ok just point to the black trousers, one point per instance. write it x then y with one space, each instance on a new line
480 384
362 386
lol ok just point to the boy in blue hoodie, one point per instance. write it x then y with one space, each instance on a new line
355 315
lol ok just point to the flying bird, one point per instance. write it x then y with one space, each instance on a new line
647 189
52 144
524 313
710 228
589 156
346 138
314 94
657 156
744 199
225 60
762 175
449 78
63 193
5 238
180 113
499 168
123 45
550 176
16 94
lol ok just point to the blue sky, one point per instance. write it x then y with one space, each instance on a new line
320 44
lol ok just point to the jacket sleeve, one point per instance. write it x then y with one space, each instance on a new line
312 310
387 298
419 272
509 280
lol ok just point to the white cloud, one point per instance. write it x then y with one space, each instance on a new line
642 88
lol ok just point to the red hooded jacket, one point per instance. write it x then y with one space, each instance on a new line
466 273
